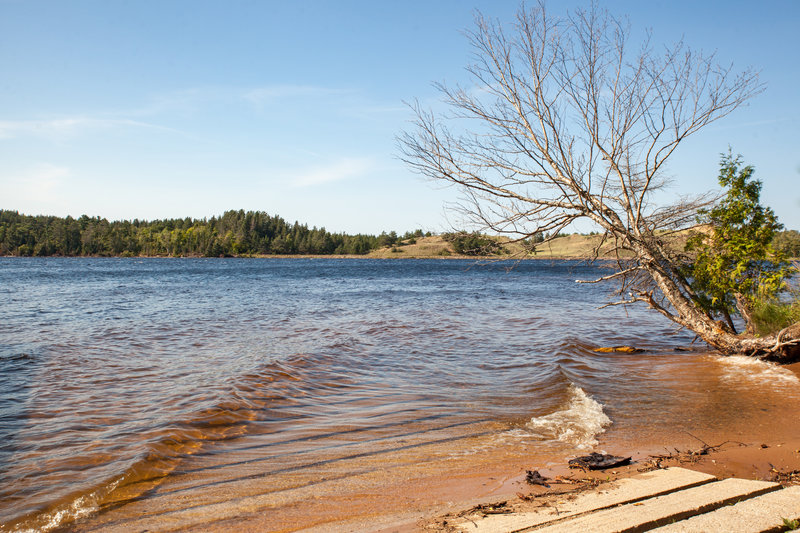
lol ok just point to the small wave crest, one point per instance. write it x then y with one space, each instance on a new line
741 368
61 513
156 451
578 422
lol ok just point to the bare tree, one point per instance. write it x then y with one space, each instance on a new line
566 122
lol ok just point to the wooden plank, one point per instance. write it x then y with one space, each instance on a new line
661 510
627 490
757 515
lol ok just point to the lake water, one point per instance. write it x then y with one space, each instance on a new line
136 388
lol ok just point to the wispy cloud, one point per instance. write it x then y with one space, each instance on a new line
342 169
193 100
182 103
60 128
186 102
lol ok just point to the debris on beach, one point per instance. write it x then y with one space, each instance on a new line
491 508
535 478
784 477
569 487
449 522
598 461
566 488
620 349
685 456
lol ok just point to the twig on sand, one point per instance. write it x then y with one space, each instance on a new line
483 510
488 508
568 488
684 456
578 485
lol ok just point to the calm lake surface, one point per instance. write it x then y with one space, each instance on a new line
130 385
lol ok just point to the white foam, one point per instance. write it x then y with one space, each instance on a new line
579 422
741 368
79 508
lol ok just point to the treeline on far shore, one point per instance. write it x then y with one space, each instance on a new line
235 233
241 233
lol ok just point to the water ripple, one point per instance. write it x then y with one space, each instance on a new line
116 375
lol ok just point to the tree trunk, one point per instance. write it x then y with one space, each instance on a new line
729 320
783 347
744 308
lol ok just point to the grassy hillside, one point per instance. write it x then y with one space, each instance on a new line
423 247
570 246
573 246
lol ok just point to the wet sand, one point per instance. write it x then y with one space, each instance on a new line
744 461
424 503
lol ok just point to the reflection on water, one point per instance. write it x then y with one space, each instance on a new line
129 387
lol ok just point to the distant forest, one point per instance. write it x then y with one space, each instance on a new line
234 233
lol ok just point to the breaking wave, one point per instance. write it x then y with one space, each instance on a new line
744 369
578 422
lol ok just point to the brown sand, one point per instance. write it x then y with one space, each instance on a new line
425 501
426 504
775 456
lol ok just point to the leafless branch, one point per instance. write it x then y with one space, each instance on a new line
566 121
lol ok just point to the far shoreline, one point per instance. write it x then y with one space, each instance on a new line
480 258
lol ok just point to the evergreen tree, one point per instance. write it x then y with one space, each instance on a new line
735 261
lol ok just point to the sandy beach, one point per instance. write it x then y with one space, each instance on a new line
430 504
769 450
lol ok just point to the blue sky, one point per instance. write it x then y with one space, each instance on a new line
160 109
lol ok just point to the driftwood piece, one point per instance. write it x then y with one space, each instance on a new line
575 486
619 349
598 461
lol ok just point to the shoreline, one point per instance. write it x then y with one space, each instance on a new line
771 458
400 499
775 461
436 502
450 257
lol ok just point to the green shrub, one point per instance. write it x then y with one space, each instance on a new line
472 243
771 315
